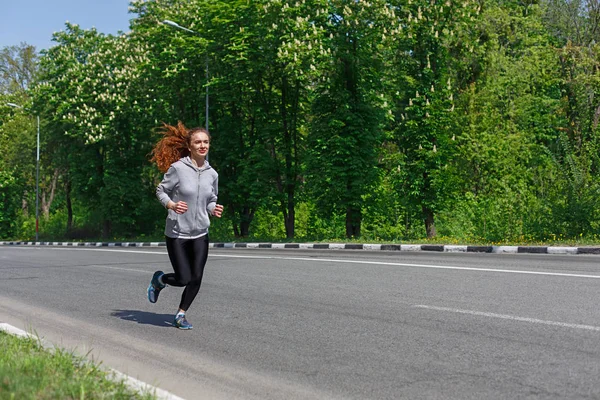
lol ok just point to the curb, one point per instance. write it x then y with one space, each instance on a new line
131 382
341 246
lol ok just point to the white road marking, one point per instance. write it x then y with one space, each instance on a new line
119 268
333 260
513 271
13 330
511 317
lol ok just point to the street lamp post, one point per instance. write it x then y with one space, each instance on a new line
37 175
177 26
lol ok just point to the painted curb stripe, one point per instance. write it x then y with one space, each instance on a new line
341 246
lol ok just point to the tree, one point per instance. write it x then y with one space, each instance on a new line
286 48
431 67
575 21
99 130
347 112
18 69
510 118
575 29
262 93
258 60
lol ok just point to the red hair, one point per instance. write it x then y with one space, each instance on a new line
171 147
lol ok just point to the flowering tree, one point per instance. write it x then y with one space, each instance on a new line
258 54
348 111
18 69
431 67
89 91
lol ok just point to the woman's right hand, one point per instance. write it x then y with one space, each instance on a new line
180 207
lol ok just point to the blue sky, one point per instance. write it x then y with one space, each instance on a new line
34 21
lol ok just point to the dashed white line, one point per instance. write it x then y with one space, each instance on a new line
511 317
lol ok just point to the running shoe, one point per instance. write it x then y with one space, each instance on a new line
181 323
155 287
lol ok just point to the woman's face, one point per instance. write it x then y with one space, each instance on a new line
199 144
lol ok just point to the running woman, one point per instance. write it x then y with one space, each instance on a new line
189 191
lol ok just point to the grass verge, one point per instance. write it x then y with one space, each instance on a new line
30 371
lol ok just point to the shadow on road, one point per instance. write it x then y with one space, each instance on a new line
144 317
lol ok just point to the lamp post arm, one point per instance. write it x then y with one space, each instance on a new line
176 25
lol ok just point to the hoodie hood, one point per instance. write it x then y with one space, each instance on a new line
188 161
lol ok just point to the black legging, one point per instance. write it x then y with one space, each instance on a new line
188 257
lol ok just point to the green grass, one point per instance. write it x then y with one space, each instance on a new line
29 371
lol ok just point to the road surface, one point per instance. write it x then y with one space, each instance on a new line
309 324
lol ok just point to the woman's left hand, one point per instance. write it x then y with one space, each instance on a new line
218 211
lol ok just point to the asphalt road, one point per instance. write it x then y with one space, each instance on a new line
285 324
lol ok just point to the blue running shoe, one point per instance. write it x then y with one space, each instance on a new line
155 287
181 323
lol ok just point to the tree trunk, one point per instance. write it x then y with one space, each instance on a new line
106 229
234 224
288 209
244 228
429 222
246 219
236 229
353 221
48 198
289 185
25 205
290 218
69 208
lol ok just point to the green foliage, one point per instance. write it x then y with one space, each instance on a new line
575 209
18 69
10 194
390 120
319 228
96 126
574 21
267 225
347 114
385 214
433 66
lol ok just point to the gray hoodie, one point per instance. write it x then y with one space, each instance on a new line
198 187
